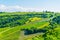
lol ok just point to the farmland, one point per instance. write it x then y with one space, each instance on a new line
29 26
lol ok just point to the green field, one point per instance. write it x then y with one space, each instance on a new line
29 26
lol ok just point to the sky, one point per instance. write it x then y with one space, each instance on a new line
29 5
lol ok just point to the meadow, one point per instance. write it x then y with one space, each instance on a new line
29 26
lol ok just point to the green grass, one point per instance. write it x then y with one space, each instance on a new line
13 33
11 36
3 29
10 33
34 24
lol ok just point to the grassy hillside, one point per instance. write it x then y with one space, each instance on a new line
29 26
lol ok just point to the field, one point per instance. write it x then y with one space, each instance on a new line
29 26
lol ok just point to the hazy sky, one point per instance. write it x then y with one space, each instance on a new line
29 5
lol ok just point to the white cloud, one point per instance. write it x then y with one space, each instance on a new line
2 7
16 8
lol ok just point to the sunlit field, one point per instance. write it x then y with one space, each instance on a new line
29 26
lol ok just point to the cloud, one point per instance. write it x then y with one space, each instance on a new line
2 7
5 8
17 8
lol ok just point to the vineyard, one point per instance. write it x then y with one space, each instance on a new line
29 26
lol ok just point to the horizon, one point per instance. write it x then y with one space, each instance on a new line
29 5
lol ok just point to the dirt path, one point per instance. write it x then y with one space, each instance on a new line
23 36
